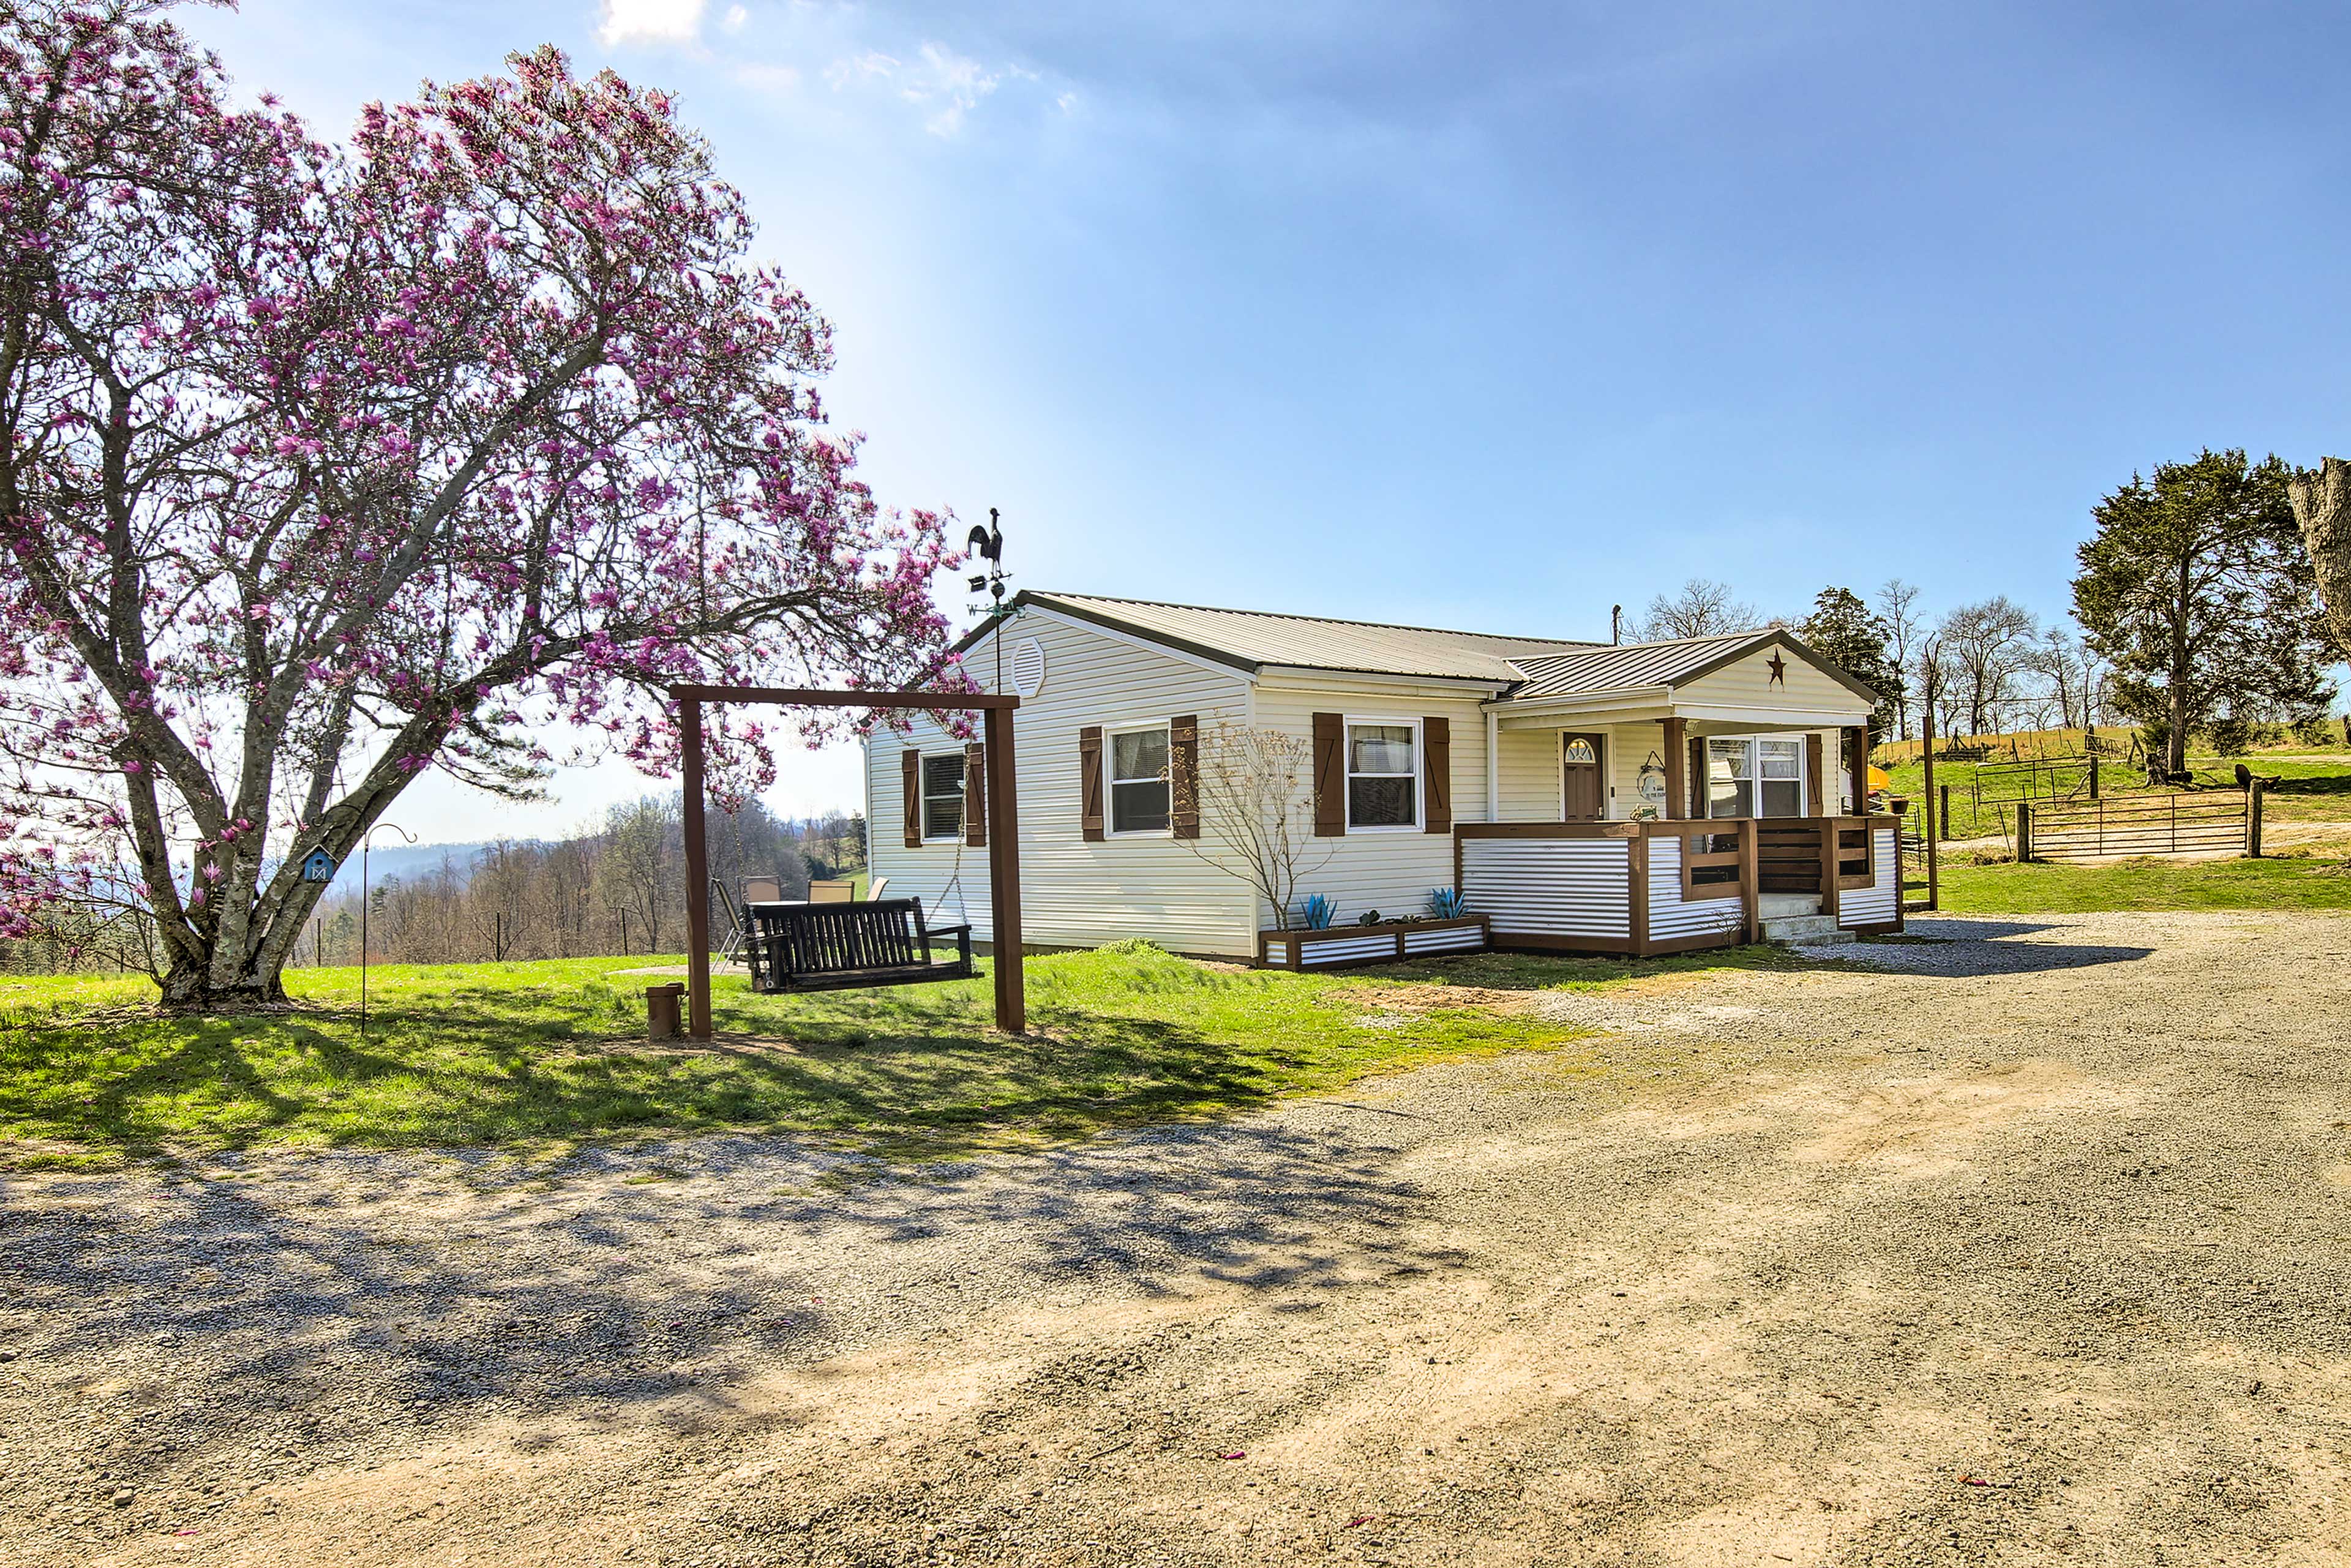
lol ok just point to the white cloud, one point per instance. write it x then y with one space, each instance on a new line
945 85
734 20
650 22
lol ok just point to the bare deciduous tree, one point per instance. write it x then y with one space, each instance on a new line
1703 608
1252 788
1897 606
1983 648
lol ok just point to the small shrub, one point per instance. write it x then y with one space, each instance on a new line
1447 902
1315 913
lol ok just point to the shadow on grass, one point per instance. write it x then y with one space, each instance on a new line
2322 785
924 1073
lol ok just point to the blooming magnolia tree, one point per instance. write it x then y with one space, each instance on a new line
321 466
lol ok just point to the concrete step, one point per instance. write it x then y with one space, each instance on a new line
1792 928
1774 905
1827 939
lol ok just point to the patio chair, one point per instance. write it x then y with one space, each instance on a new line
837 891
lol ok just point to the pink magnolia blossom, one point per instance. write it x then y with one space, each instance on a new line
336 464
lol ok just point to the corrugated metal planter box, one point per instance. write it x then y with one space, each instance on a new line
1342 946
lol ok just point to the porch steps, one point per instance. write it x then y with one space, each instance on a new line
1795 919
1806 931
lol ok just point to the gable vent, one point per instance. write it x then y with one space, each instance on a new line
1027 668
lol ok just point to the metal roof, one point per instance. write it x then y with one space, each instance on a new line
1529 668
1676 663
1251 640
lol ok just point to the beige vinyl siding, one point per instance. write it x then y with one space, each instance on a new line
1529 776
1074 894
1389 870
1531 785
1747 685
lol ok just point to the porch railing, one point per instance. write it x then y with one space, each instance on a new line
1648 887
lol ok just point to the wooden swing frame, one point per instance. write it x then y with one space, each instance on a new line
1003 828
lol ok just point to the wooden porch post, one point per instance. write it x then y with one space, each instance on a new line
698 872
1676 768
1858 734
1004 875
1751 880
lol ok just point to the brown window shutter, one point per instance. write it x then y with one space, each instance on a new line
910 766
1329 776
1089 782
1701 788
1184 776
1437 741
975 794
1812 775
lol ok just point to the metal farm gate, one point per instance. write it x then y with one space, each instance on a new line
2176 822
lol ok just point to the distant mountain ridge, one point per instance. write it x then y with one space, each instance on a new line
408 860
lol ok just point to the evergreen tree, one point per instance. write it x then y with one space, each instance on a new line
1842 630
2198 589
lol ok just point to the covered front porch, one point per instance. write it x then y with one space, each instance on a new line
1601 766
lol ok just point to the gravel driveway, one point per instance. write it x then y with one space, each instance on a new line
2027 1244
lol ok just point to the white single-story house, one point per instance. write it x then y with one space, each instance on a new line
1557 785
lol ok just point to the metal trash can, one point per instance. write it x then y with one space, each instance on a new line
662 1011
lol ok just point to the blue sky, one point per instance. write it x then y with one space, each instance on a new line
1491 317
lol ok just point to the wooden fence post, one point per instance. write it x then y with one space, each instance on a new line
2254 821
2023 831
1947 811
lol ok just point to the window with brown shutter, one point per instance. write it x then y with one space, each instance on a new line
910 768
1813 773
1184 776
1701 787
1089 782
975 794
1329 775
1436 744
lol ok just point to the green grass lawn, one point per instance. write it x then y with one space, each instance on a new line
546 1052
2285 881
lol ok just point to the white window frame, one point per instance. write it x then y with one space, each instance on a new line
963 795
1348 723
1755 772
1111 779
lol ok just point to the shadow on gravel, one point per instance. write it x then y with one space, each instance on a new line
1958 948
194 1325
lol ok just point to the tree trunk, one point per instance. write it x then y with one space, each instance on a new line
196 986
2321 505
2175 754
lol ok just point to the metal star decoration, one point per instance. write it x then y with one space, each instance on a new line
1779 667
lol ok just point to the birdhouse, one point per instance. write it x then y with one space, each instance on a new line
318 866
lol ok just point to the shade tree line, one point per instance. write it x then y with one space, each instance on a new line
1992 664
2195 612
617 888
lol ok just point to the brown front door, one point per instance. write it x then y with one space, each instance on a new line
1584 797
